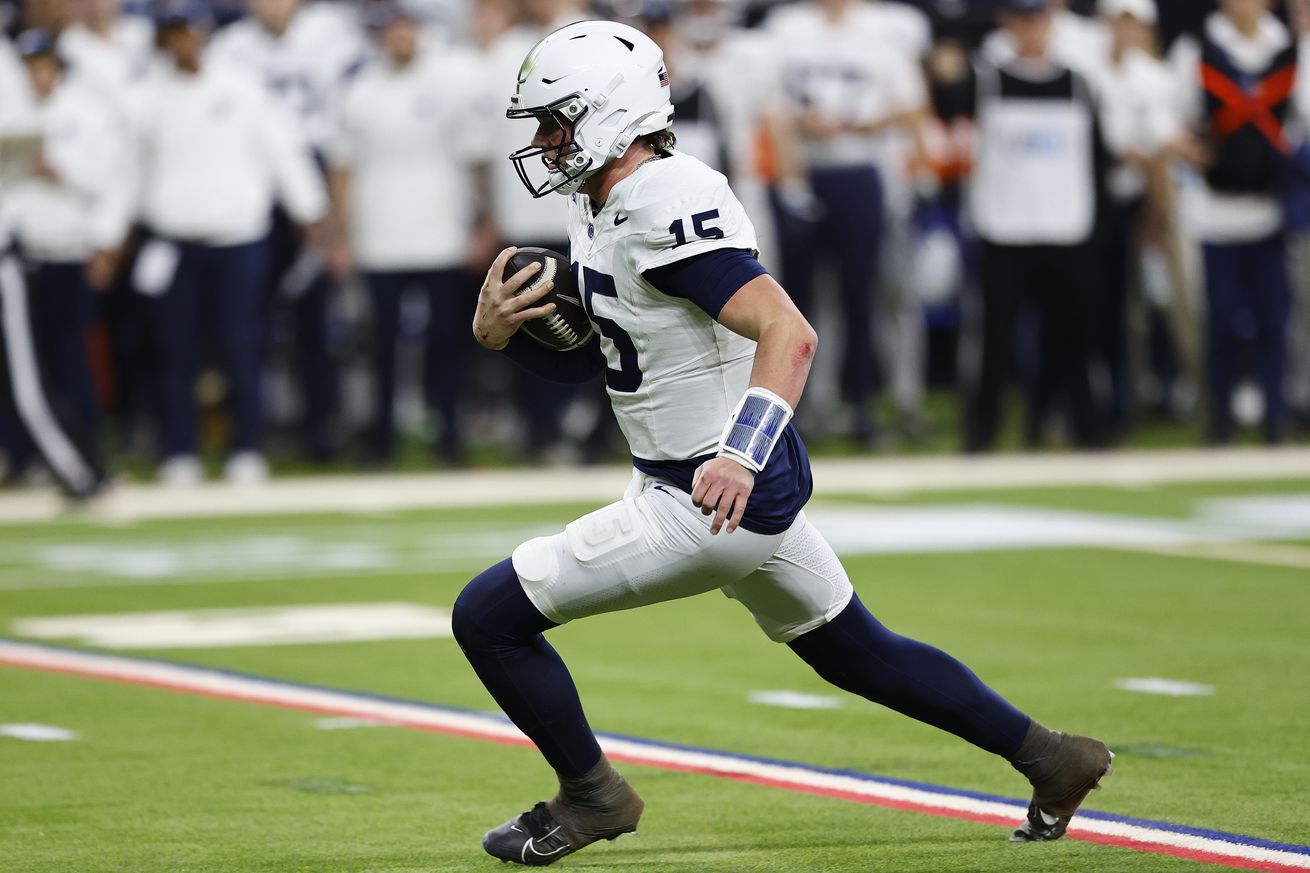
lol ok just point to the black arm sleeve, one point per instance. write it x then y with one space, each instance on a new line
570 368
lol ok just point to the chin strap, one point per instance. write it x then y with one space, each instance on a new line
754 428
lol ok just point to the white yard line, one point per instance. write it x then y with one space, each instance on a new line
37 733
795 700
1268 554
368 494
1165 687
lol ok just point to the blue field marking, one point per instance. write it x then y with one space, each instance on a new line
1019 805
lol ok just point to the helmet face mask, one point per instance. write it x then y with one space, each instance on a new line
567 165
593 88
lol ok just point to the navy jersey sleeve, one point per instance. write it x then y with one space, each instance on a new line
709 280
570 368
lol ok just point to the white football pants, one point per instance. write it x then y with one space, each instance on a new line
654 545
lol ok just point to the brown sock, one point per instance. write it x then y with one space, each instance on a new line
596 805
1034 758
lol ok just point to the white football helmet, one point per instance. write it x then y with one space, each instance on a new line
604 84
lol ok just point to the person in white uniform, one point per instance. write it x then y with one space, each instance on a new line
302 51
731 62
702 124
902 330
106 48
1141 123
536 222
402 188
15 93
704 357
67 217
532 223
215 151
838 107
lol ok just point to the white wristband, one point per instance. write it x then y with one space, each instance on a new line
754 428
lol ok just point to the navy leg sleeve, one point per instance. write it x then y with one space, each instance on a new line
177 331
856 653
450 311
500 632
1271 302
853 198
239 274
385 291
1223 288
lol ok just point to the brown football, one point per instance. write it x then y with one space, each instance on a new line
568 328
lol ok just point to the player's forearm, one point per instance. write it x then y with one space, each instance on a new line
339 200
782 132
783 357
566 368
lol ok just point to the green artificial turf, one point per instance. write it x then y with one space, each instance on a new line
165 782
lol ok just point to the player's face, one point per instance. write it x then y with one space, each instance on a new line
400 40
274 14
949 62
43 72
703 22
1031 32
1128 32
552 149
1245 12
550 136
184 44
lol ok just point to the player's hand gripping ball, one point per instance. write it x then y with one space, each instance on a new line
531 289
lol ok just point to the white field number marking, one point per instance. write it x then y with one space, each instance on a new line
1167 687
263 626
37 733
794 700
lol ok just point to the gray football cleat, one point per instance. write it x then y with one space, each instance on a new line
600 805
1063 769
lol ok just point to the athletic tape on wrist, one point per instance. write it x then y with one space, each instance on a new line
754 428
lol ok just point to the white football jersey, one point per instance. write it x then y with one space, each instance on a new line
673 373
408 136
852 70
302 67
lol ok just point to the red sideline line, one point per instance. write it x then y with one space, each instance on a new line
901 805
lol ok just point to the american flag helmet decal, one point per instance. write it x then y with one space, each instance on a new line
664 77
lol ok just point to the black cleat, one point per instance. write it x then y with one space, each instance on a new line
1039 827
533 838
1063 769
599 805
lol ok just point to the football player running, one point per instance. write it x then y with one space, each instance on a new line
704 357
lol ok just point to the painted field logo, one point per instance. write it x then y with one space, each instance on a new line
262 626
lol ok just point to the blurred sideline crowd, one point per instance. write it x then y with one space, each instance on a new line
263 223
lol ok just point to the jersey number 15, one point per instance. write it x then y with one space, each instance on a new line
698 226
627 379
